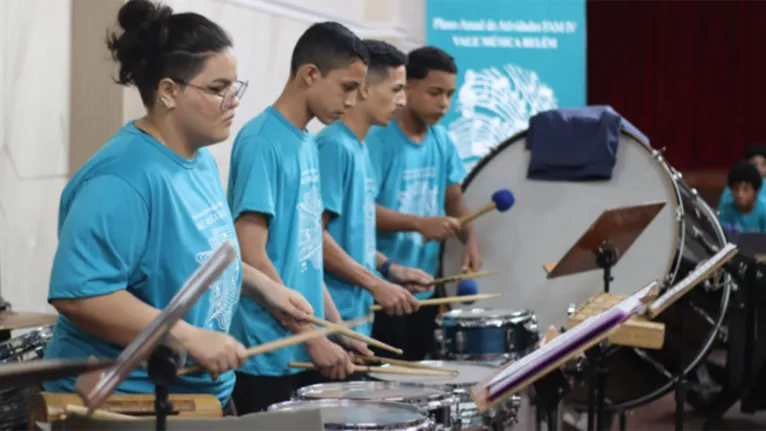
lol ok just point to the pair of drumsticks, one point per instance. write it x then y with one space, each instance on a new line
330 328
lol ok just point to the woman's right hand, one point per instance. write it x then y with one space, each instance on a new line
216 352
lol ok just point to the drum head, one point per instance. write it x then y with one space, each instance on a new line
348 414
549 217
482 314
469 373
372 391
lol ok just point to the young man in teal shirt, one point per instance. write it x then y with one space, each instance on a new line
746 212
274 195
418 171
349 190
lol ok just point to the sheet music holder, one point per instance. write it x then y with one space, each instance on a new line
157 331
518 375
612 233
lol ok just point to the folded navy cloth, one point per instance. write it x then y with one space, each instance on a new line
578 144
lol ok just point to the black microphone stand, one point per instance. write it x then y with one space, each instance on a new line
162 366
606 257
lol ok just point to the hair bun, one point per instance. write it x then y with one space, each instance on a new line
141 13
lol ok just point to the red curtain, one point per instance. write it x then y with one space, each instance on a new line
691 75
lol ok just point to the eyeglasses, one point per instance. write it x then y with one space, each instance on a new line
235 90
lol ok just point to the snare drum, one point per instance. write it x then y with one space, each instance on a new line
502 417
441 405
350 415
14 409
482 334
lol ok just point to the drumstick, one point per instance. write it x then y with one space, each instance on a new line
97 414
450 300
502 200
407 364
379 370
461 277
289 341
355 335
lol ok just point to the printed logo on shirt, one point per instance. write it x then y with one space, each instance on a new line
369 221
310 220
419 195
215 223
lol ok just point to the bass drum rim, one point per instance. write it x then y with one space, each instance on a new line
676 180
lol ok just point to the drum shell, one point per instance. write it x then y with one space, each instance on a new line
483 334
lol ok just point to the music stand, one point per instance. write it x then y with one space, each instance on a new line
164 360
601 246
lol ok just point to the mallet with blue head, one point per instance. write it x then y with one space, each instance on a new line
502 200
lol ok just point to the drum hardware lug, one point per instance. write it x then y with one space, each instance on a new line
679 214
459 341
531 327
571 310
510 340
657 154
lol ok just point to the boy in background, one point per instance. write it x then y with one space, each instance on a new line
755 154
746 212
418 171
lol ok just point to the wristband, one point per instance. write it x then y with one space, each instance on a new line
384 268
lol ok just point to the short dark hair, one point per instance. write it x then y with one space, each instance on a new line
157 44
423 60
756 149
383 56
744 172
327 45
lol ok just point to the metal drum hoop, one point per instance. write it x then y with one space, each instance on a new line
424 423
432 397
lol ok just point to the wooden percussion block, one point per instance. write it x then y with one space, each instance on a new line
638 331
49 407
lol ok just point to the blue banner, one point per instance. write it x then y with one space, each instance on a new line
515 59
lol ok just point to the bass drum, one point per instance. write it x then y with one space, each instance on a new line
548 218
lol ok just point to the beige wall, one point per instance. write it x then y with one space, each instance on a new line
59 104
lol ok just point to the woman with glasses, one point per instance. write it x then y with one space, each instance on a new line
148 208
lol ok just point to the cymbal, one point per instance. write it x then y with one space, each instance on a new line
10 320
37 371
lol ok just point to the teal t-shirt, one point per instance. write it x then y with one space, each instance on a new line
139 217
275 171
413 178
754 221
728 199
348 191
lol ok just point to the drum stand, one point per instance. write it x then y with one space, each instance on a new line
606 258
681 383
162 366
548 394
